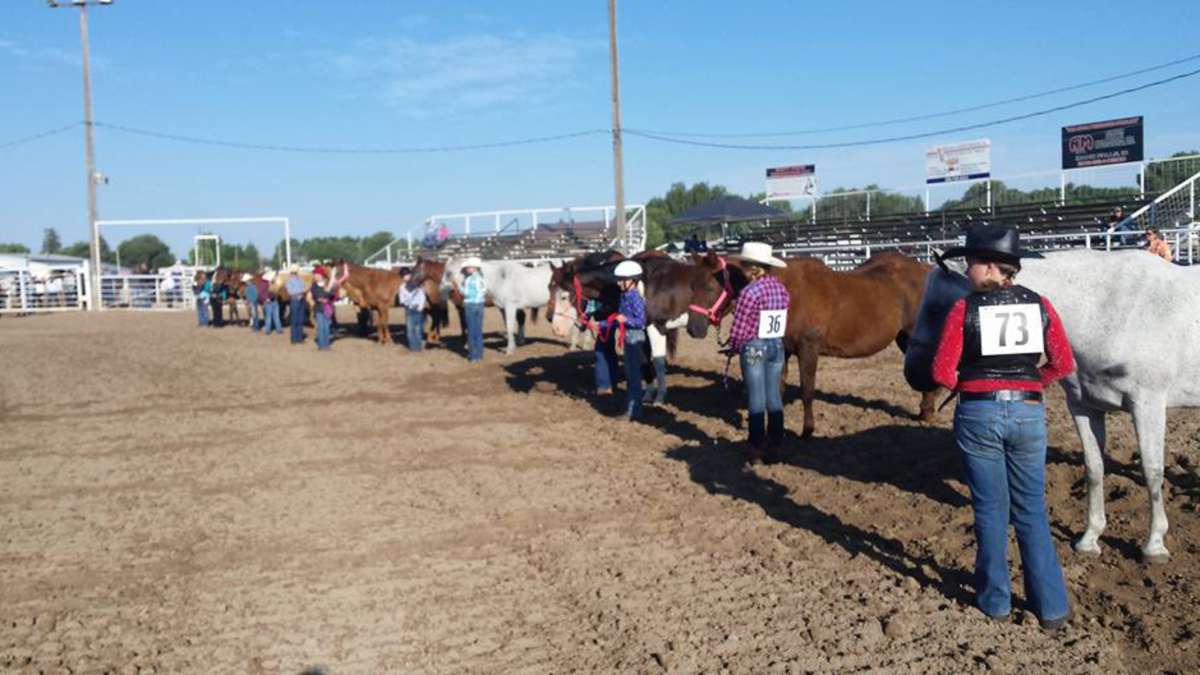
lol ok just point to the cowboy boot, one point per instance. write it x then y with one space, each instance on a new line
658 394
754 447
774 436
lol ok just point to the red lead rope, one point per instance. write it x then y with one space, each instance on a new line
714 313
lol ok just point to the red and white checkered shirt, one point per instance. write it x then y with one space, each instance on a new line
765 293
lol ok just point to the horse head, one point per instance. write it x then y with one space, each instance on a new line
712 292
943 287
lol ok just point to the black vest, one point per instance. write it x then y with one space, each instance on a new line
974 365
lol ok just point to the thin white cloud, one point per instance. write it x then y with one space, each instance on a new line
47 55
461 73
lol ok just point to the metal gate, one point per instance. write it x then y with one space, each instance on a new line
44 288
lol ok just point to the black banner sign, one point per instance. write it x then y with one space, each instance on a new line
1100 143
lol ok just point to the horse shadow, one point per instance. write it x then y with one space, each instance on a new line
720 469
571 373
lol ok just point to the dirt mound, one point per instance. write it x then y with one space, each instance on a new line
198 500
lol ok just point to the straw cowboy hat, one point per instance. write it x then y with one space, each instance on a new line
760 253
246 277
473 261
992 242
294 269
627 269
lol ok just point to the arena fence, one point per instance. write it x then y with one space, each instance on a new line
166 291
49 288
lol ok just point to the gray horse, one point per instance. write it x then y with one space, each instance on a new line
1133 325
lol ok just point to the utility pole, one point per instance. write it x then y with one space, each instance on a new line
618 171
89 145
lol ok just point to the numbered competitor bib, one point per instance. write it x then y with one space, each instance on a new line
1010 329
771 323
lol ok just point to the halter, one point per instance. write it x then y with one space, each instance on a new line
714 313
580 315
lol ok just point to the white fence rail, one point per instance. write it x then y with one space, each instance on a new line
166 292
47 288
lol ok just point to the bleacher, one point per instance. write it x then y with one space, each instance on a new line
563 239
798 234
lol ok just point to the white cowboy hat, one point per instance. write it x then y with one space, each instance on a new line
269 275
627 269
473 261
294 269
246 277
758 252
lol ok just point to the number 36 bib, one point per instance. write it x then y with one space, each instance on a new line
1010 329
771 323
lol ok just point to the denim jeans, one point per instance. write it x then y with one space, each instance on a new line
414 328
271 317
762 367
635 340
322 320
296 318
1003 445
606 371
474 316
202 311
255 315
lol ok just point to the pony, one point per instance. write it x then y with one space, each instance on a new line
430 273
371 289
1128 320
511 286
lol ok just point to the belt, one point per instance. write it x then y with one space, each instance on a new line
1001 395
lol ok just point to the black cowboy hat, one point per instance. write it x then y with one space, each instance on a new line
992 242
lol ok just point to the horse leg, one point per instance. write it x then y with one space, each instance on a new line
1150 422
1089 424
928 406
808 384
385 331
510 329
520 327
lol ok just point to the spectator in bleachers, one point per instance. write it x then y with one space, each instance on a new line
443 233
695 244
1118 223
1157 245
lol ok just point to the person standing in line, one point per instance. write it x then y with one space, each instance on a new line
252 304
216 299
631 318
989 353
600 314
270 304
296 306
201 291
759 323
324 293
474 293
412 297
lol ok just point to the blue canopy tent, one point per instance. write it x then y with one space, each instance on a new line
725 210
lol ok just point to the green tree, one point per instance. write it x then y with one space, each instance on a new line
14 248
372 243
50 241
279 256
330 248
678 198
1162 176
82 249
145 250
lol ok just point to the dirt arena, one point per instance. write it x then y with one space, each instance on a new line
179 500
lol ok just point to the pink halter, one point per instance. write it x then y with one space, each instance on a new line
714 313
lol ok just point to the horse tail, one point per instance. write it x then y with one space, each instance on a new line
672 342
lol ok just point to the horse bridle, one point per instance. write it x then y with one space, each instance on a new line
714 313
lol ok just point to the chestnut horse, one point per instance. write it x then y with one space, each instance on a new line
429 274
849 315
371 289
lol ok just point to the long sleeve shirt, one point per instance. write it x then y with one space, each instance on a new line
633 307
474 289
295 286
412 297
1060 360
766 293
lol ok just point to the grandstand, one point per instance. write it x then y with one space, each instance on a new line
562 239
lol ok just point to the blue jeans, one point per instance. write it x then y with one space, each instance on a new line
271 317
296 319
635 339
255 315
762 368
607 374
474 316
414 328
322 320
1003 445
202 311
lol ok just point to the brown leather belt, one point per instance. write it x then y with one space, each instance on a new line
1001 395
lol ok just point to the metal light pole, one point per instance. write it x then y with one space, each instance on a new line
618 171
89 146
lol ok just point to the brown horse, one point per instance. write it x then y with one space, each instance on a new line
371 289
850 315
429 274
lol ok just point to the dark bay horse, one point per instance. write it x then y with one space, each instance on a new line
429 274
849 315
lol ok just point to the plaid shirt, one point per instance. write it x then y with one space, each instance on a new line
765 293
634 309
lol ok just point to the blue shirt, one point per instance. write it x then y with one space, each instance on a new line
251 293
295 286
634 309
474 289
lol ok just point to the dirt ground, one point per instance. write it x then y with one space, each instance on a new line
186 500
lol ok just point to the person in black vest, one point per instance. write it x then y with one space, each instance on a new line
216 301
990 353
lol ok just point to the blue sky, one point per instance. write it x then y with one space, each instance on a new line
375 73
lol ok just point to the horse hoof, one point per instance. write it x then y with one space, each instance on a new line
1087 552
806 434
926 416
1161 558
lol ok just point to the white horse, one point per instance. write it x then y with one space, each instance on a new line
1132 322
512 286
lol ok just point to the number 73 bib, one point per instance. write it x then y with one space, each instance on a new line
1010 329
771 323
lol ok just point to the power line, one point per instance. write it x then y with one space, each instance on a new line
909 137
44 134
927 116
348 151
